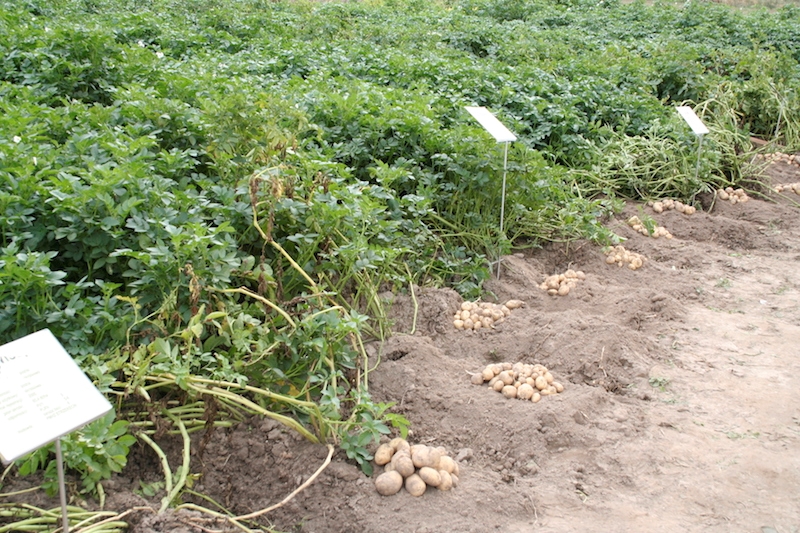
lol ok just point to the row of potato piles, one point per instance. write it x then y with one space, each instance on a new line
477 315
519 380
414 467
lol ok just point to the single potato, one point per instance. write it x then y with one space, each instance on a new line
389 483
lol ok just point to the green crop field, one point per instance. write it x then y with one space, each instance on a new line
204 200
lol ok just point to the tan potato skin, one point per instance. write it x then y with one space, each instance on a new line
389 483
415 486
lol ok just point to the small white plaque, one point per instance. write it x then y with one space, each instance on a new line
490 123
692 120
44 395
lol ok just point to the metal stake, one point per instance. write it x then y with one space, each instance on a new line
503 203
62 488
699 150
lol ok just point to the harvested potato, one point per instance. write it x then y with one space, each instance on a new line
657 231
562 284
525 392
401 461
399 444
514 304
518 380
383 454
780 157
506 377
659 206
446 482
430 476
422 455
734 196
788 188
415 485
430 466
476 316
620 256
447 464
389 483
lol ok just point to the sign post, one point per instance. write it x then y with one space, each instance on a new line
501 134
698 128
44 395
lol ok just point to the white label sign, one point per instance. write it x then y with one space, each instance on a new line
490 123
692 120
43 395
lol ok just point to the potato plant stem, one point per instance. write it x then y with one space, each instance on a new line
164 461
184 470
295 492
265 301
215 388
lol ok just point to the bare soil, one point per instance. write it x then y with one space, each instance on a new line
681 410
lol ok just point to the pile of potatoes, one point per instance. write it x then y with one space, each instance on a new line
659 206
788 187
477 315
734 196
658 231
520 380
789 159
561 284
619 255
414 467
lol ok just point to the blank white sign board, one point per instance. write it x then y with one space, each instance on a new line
490 123
44 395
692 120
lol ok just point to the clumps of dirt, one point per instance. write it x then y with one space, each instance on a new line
561 284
